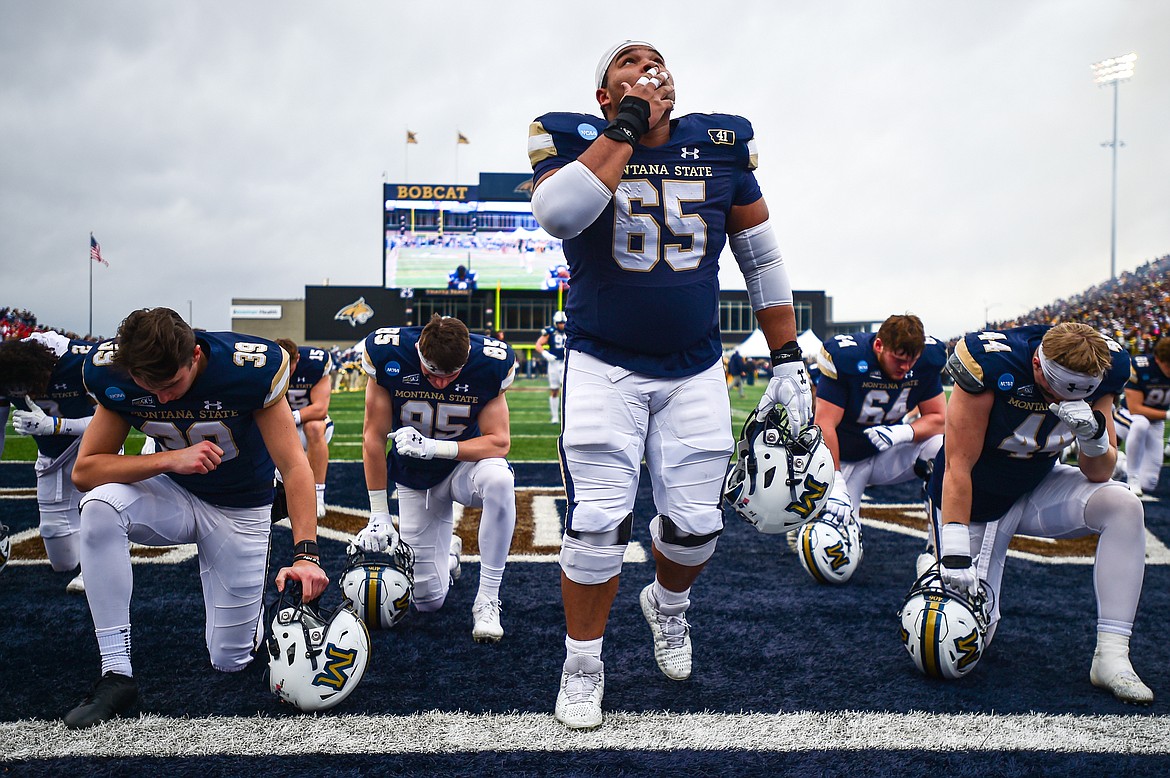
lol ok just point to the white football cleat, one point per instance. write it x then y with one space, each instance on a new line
1123 683
582 687
486 614
320 509
672 637
76 586
453 563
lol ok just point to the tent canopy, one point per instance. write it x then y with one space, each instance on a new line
756 346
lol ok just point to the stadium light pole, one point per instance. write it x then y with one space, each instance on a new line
1113 71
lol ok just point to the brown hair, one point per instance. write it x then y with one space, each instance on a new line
154 344
1162 350
446 342
25 368
1077 347
290 347
903 335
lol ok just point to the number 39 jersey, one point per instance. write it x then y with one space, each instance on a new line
312 365
1023 438
243 374
645 288
852 379
450 413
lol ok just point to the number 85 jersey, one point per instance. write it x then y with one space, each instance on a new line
450 413
243 374
645 274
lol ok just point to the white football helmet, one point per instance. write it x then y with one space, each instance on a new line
945 630
379 587
315 661
560 317
830 548
5 547
778 482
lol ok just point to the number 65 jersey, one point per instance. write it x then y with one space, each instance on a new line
451 413
645 275
243 374
1023 438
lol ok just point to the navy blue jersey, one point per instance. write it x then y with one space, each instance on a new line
243 374
852 379
450 413
66 397
1147 378
1024 438
556 340
645 286
312 365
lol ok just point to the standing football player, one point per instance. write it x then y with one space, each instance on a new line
1147 396
214 404
438 392
309 391
551 347
869 383
1020 396
645 205
44 370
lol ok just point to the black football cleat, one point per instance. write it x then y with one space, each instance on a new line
112 696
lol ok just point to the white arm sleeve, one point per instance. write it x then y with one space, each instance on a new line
569 200
758 253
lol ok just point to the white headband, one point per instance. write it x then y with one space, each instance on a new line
433 369
609 56
1066 384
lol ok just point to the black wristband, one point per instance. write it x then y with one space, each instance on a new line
789 352
1100 419
632 121
307 547
307 558
956 562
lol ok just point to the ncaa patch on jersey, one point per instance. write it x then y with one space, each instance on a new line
115 394
587 131
392 368
1005 382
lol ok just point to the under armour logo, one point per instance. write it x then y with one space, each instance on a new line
1071 387
690 153
212 405
60 387
461 387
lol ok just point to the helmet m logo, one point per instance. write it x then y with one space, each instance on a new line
837 556
357 312
337 665
813 490
968 648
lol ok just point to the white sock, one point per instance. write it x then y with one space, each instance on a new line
668 601
490 579
1112 655
114 645
554 405
588 647
321 493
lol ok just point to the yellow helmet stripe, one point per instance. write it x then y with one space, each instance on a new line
932 623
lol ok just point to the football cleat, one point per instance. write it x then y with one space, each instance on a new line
672 636
5 547
113 695
486 614
1124 685
582 687
453 564
76 586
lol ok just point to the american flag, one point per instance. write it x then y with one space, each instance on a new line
95 251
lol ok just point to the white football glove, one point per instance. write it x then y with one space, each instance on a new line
839 505
379 536
34 421
790 388
409 442
886 436
957 568
1091 432
548 356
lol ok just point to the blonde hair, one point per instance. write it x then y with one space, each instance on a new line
1078 347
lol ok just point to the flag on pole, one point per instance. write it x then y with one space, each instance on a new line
410 137
462 138
95 251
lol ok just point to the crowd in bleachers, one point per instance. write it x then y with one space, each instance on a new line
1133 309
16 323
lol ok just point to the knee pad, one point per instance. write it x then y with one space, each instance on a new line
591 558
430 592
682 547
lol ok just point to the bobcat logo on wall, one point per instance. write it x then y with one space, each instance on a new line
357 312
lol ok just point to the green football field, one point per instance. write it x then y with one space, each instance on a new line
428 267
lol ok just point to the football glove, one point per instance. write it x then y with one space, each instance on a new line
839 505
34 421
409 442
886 436
379 536
789 387
1087 424
957 568
548 356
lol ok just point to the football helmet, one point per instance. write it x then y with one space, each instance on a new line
560 317
945 630
778 482
379 587
5 547
830 548
315 661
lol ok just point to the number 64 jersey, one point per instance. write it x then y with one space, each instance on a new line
243 374
451 413
1023 438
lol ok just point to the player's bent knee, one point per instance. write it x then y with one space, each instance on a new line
682 547
1114 505
430 592
592 558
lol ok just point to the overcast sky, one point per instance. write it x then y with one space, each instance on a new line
941 158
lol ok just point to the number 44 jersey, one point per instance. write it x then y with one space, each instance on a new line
645 275
1024 438
243 374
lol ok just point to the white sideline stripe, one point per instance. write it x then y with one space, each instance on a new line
442 732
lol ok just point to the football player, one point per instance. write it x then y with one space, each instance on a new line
645 204
438 391
1021 395
869 384
1147 395
214 404
551 347
308 395
44 371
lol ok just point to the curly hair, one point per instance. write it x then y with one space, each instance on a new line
25 368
